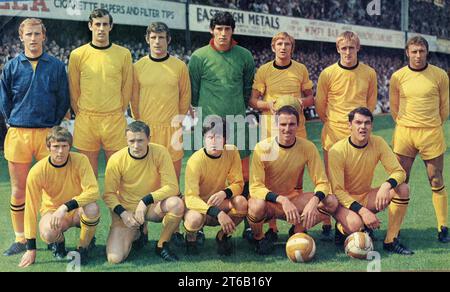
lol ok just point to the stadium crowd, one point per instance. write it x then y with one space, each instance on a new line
384 61
425 16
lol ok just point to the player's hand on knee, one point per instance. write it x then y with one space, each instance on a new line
217 199
291 212
140 211
57 217
226 223
310 213
129 220
383 197
369 218
28 258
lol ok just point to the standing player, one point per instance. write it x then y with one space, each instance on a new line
213 187
161 92
100 79
221 77
342 87
352 166
419 99
162 95
276 165
64 189
34 97
140 186
281 77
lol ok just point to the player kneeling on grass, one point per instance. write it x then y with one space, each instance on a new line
64 187
141 185
213 187
352 163
275 168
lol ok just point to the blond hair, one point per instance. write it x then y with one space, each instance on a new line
31 21
284 35
348 36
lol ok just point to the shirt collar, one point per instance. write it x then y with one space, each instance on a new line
43 57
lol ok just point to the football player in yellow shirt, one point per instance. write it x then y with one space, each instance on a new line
351 170
276 165
140 186
280 77
63 189
214 184
162 95
419 100
100 81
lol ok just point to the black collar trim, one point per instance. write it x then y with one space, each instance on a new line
210 156
58 166
129 153
159 60
356 146
100 48
348 68
282 67
34 59
285 147
418 70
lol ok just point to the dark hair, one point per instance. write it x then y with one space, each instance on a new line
216 124
158 27
417 40
362 111
138 126
222 18
289 110
58 134
100 12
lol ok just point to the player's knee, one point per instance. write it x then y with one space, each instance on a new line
193 220
331 204
256 207
436 180
175 205
115 258
17 192
91 210
354 224
240 204
403 191
49 235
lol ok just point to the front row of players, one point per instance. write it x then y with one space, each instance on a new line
141 185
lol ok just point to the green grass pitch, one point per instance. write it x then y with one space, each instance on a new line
418 232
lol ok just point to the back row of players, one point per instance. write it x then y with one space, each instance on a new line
141 182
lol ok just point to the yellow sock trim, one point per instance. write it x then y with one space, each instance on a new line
397 211
440 204
235 213
17 218
170 224
88 228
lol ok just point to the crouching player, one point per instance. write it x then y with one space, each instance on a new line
352 164
64 187
276 165
141 185
213 187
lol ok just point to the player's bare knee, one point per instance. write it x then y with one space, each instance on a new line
17 193
175 205
193 220
403 191
256 208
436 180
240 204
330 204
49 235
115 258
353 224
91 210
